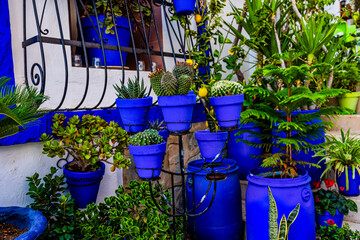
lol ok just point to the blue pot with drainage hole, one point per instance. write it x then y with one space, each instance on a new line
354 182
223 220
84 186
134 113
184 7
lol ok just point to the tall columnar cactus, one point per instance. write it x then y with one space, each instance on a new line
155 81
183 68
147 137
184 83
226 88
169 84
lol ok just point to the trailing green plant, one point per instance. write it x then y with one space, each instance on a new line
281 232
89 141
333 232
340 154
156 125
59 209
19 107
146 137
347 76
130 214
226 88
132 90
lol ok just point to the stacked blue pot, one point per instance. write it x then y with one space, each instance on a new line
353 184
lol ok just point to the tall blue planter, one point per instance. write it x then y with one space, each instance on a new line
241 152
224 218
354 183
211 144
24 218
184 7
313 172
288 193
134 113
84 186
91 35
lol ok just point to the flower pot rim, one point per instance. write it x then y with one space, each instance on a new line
84 174
351 95
206 135
85 21
148 149
134 103
227 100
196 165
177 100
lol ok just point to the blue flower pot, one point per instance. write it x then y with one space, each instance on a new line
241 152
354 183
148 159
164 134
328 219
211 144
227 109
134 113
24 218
288 192
84 186
91 35
177 111
184 7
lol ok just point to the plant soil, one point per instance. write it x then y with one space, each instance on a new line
10 232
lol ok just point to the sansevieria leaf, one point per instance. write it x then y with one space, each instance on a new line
273 214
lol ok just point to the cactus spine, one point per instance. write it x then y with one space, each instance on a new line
184 84
147 137
183 68
169 84
226 88
155 81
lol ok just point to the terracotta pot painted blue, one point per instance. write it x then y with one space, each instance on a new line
134 113
84 186
184 7
148 159
211 144
164 134
241 152
177 111
288 193
224 218
91 35
324 220
313 172
227 109
354 183
24 218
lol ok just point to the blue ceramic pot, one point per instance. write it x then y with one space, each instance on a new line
164 134
211 144
328 219
177 111
24 218
91 35
227 109
224 219
84 186
288 192
148 159
241 152
354 183
134 113
184 7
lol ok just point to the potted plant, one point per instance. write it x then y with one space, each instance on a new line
148 149
159 126
347 76
332 232
90 141
134 104
330 206
343 156
174 99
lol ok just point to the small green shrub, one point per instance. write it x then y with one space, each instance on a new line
332 232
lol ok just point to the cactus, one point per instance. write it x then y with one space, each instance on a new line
184 83
226 88
183 68
155 81
133 90
147 137
169 84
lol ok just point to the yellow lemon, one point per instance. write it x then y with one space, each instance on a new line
203 92
112 168
190 62
198 18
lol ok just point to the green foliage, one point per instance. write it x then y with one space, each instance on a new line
330 200
341 154
88 141
19 107
133 90
347 76
285 224
157 125
58 208
169 84
226 88
333 232
147 137
130 214
155 81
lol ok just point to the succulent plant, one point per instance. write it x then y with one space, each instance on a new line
184 83
155 80
147 137
169 84
133 90
157 125
226 88
183 68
